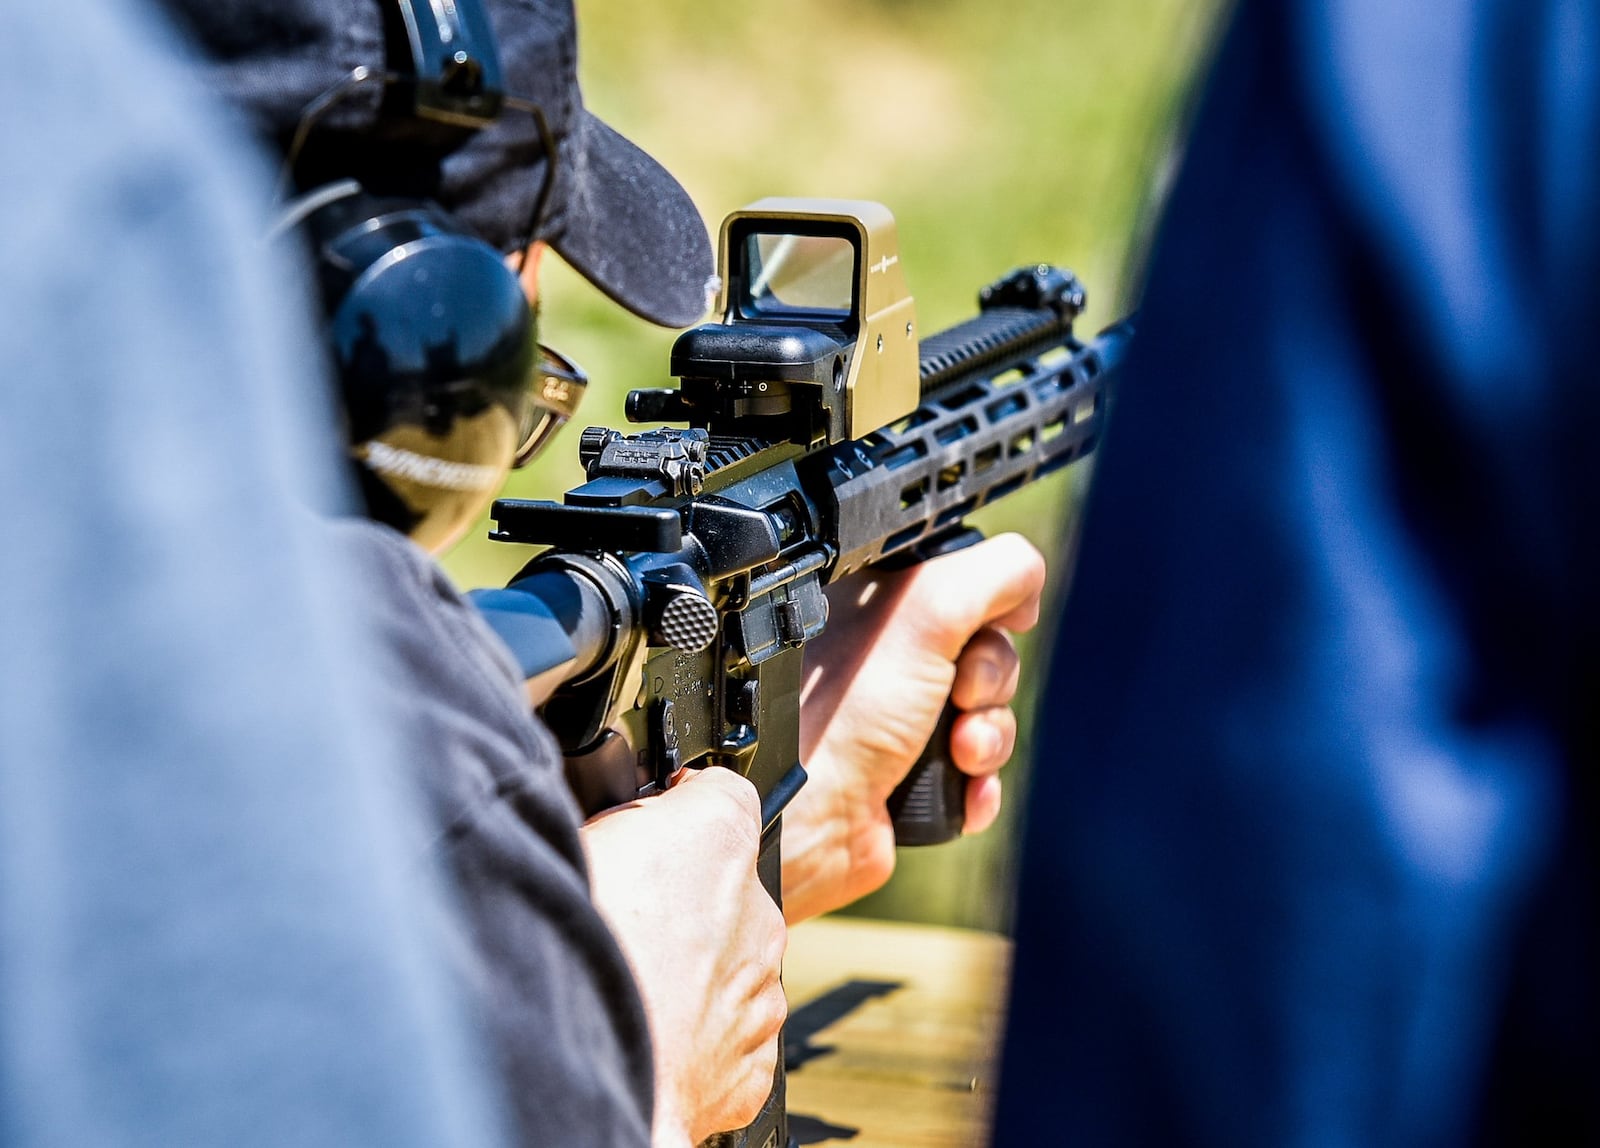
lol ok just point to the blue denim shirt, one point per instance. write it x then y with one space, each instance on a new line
1310 857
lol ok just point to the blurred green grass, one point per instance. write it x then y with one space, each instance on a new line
999 135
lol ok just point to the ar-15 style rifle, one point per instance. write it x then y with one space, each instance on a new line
682 582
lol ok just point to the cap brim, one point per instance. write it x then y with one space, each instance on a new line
629 228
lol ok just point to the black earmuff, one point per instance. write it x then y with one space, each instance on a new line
446 73
429 328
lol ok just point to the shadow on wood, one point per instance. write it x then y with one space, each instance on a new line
820 1012
811 1130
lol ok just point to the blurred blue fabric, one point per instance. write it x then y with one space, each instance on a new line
214 928
1311 853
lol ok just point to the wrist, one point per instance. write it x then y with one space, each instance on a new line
837 843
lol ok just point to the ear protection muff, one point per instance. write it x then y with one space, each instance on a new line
446 70
429 329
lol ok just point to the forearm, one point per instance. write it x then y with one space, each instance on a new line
897 649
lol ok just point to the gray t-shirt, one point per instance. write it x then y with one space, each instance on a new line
213 929
548 981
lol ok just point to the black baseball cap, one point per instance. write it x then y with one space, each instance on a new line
613 213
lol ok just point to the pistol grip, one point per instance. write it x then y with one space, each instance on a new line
930 806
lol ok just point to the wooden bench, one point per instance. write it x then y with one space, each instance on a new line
893 1035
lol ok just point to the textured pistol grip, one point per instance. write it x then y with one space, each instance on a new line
930 806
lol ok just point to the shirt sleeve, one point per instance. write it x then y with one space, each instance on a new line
212 927
546 978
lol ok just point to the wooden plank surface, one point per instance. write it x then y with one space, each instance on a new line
894 1033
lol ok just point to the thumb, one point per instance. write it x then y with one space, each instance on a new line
998 582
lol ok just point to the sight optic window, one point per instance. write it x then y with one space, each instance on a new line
799 276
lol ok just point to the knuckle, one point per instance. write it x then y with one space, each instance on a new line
983 804
949 615
1021 555
739 792
1034 567
729 807
1003 721
988 671
1026 568
736 841
987 738
777 936
763 920
1000 650
984 646
755 1072
1008 737
774 1012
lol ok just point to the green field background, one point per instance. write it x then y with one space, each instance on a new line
1000 134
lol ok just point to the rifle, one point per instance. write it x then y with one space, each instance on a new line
684 579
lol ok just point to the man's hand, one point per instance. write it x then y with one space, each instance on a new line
675 878
896 647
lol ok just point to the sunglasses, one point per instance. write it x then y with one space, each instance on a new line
558 388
